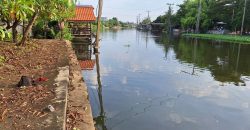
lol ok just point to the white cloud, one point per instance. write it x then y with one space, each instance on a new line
127 10
178 119
124 80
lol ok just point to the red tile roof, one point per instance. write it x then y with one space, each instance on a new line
84 14
87 64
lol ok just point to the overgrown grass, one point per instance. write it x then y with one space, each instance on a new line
227 38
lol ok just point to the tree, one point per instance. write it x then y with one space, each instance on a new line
213 11
53 9
114 21
168 20
146 21
160 19
13 12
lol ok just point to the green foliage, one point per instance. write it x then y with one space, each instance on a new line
229 38
111 22
12 10
66 34
4 34
213 11
50 30
38 30
160 19
146 21
114 22
45 30
189 10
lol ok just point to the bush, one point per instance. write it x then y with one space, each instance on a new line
50 31
4 34
38 30
66 34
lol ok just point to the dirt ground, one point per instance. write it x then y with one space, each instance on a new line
25 108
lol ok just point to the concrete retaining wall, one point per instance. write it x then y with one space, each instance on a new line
79 113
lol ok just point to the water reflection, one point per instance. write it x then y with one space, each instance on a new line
100 119
84 55
193 59
147 81
83 51
226 64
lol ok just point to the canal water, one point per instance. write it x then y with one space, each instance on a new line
146 81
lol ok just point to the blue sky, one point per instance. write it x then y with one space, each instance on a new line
128 10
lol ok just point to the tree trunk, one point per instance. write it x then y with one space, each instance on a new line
61 26
28 28
61 38
14 32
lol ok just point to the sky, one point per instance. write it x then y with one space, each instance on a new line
128 10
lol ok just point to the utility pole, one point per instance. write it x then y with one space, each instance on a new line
243 18
169 16
148 14
100 3
139 18
197 30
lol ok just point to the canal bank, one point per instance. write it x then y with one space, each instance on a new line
225 38
79 113
56 88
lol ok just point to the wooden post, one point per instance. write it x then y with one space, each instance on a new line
100 3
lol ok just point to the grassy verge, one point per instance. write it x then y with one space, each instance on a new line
228 38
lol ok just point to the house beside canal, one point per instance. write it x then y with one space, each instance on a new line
80 24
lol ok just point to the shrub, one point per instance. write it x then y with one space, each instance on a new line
4 34
50 31
66 34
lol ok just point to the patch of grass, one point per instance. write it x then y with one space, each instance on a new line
227 38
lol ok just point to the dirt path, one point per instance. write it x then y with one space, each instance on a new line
26 108
52 64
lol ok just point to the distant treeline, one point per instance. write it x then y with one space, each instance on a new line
114 23
230 12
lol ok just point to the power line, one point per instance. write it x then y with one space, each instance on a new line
154 9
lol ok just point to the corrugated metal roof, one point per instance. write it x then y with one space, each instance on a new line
84 14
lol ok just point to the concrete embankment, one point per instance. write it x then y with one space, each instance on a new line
79 113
